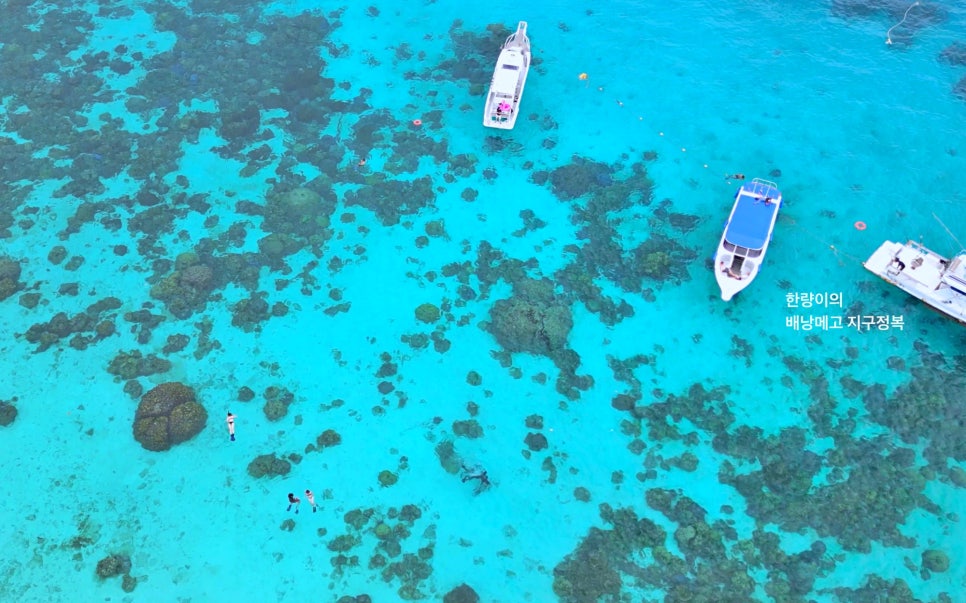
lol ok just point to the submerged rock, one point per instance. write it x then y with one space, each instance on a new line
530 322
113 565
167 415
427 313
461 594
935 561
8 413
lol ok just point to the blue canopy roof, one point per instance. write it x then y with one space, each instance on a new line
751 222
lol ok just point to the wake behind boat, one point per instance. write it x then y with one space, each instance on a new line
938 282
746 236
509 77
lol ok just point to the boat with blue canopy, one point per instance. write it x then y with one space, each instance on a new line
746 236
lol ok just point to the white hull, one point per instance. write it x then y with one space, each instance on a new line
746 236
730 284
938 282
509 79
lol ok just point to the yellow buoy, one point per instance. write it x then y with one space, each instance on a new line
583 76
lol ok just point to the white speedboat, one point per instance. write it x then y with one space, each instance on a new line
509 77
938 282
746 236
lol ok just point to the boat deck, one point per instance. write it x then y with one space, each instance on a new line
922 272
920 275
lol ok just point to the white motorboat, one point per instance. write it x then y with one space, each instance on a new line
509 77
937 281
746 236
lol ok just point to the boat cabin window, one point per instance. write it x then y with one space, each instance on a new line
742 251
511 67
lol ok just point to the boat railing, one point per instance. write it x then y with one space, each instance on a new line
760 187
920 248
521 32
763 182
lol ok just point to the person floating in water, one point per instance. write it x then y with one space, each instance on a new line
734 176
231 425
311 498
293 500
479 474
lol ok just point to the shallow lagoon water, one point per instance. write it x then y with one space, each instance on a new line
858 129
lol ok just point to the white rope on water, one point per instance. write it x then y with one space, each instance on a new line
906 14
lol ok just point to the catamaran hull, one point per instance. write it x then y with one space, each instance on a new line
926 280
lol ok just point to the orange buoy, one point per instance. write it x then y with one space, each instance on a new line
860 225
417 122
583 76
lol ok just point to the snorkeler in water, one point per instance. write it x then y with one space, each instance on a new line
293 500
479 474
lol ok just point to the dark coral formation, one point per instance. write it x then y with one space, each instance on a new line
908 18
537 320
449 460
328 439
167 415
300 212
268 465
930 408
954 54
859 492
534 320
8 413
592 571
387 478
935 561
186 290
428 313
463 593
134 364
716 566
277 401
387 533
9 277
113 565
468 429
93 325
845 493
391 200
580 177
782 491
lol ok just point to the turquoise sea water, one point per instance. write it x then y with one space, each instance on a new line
184 167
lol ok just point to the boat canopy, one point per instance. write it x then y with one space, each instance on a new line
752 220
506 78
